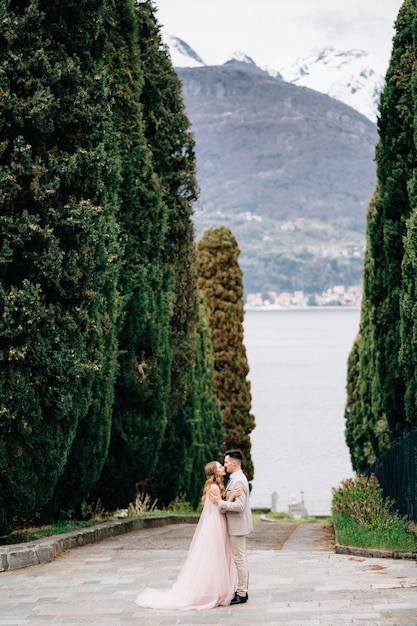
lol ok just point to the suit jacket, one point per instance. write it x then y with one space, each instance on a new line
238 513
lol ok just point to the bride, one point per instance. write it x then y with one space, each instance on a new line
208 576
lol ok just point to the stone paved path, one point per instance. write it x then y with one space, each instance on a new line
296 579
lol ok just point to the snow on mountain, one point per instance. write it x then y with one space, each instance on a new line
241 57
353 77
182 55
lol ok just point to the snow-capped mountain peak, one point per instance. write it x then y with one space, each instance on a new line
241 57
182 55
353 76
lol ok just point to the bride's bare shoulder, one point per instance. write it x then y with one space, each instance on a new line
214 489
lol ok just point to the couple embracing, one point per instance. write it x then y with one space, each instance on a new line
216 569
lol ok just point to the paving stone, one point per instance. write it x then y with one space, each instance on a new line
304 583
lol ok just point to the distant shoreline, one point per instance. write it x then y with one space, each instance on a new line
274 307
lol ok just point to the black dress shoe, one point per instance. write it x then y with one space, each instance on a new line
239 599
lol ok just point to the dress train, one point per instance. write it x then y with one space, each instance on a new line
208 576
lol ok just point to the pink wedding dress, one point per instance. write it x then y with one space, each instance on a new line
207 578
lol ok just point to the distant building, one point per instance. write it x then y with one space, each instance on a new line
339 295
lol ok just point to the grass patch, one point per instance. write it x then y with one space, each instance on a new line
393 533
278 516
142 507
363 518
59 528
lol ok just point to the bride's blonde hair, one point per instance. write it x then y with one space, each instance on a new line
212 478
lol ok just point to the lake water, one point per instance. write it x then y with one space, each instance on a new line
298 366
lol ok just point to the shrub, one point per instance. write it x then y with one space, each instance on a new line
361 499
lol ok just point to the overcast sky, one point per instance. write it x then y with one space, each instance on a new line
277 32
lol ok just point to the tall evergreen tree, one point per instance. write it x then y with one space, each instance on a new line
367 432
167 130
408 309
395 157
382 386
220 280
207 415
143 382
408 352
353 414
59 253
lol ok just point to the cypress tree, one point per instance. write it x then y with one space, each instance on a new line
396 158
408 352
143 382
381 387
220 280
59 255
207 415
353 415
366 430
167 131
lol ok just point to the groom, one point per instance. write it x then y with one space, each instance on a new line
239 520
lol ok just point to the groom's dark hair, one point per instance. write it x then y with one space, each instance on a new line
234 454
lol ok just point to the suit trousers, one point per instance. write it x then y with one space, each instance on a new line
238 544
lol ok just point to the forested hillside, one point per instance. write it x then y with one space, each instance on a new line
288 169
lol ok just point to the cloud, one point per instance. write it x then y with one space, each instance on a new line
276 33
354 28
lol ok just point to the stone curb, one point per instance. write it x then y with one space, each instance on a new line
373 553
45 550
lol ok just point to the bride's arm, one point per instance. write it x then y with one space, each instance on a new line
237 491
215 491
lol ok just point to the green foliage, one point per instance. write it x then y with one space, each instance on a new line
59 257
395 156
355 432
392 534
364 518
180 506
207 415
366 429
361 499
143 382
381 378
220 280
167 132
265 269
33 534
408 327
106 365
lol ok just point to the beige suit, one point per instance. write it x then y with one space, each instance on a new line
239 514
239 524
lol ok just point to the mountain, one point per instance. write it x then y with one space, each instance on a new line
182 55
353 77
289 169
